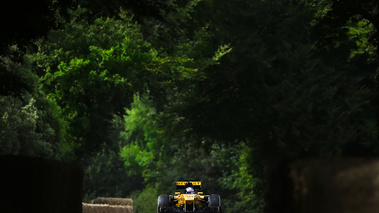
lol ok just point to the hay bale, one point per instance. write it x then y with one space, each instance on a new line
106 208
324 185
113 201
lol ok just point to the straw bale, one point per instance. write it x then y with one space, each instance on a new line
106 208
113 201
323 185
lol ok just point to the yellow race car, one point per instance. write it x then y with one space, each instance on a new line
189 198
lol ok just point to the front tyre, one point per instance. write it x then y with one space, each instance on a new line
163 202
215 202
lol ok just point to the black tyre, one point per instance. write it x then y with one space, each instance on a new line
214 200
163 201
215 203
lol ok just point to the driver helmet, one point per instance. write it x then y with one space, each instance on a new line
190 190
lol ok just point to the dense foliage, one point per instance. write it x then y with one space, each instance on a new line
142 93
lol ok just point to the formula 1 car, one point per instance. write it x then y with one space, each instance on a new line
189 200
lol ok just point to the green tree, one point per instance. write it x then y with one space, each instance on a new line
144 145
96 74
335 15
30 123
21 23
278 92
239 178
105 175
93 70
